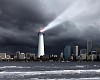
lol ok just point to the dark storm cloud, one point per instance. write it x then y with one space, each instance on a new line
21 19
18 23
80 27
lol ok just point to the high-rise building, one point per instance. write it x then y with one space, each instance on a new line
98 53
89 46
67 52
41 44
75 50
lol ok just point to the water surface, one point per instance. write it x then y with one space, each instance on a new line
50 71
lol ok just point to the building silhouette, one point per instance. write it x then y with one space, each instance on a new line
67 52
89 46
75 50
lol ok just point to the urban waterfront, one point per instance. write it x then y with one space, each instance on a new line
49 40
50 71
69 53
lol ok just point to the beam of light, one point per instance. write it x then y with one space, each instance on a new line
76 9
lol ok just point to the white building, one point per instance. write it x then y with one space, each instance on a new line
2 55
76 50
83 56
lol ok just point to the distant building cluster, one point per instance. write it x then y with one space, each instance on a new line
18 57
74 54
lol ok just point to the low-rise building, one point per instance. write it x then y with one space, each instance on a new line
8 57
28 55
88 57
82 56
32 56
22 56
3 55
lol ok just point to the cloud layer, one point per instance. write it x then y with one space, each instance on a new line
21 19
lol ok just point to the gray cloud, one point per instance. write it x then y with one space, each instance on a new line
20 21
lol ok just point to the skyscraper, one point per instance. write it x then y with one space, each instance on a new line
75 50
67 52
89 46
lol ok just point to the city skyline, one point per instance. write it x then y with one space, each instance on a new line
69 53
49 39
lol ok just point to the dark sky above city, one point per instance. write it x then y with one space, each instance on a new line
20 21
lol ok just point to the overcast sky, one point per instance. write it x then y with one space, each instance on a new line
20 21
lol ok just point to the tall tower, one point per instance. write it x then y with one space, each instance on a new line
75 50
89 46
41 44
67 52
